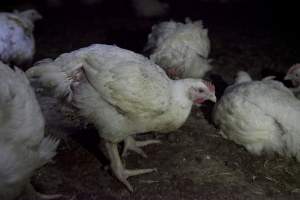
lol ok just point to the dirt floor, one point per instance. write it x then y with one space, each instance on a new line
193 162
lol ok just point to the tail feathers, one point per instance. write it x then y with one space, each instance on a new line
50 76
41 67
160 32
18 161
242 76
47 148
269 78
198 22
188 20
30 14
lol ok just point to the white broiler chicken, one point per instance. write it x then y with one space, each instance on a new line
181 49
122 93
17 43
23 145
293 75
260 115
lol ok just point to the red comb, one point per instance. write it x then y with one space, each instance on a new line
293 68
209 85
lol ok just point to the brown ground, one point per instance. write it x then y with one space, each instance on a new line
194 162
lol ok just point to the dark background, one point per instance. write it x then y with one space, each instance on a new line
194 162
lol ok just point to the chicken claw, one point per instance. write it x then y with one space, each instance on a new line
131 144
117 167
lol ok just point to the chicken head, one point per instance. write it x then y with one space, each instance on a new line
201 92
293 74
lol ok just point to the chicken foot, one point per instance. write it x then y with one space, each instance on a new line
31 192
117 167
131 144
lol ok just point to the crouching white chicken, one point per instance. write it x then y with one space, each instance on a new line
122 93
17 43
181 49
260 115
293 75
23 145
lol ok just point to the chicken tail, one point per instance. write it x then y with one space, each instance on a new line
242 76
31 14
47 74
40 68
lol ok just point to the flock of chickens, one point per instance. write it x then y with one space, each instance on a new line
124 93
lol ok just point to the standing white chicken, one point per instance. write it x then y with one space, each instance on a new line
180 49
293 74
23 145
122 93
260 115
17 43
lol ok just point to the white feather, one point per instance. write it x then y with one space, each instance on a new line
23 146
17 44
181 46
260 115
123 93
242 76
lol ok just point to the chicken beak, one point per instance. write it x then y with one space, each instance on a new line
287 77
213 98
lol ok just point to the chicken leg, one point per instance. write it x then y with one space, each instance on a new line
117 167
131 144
